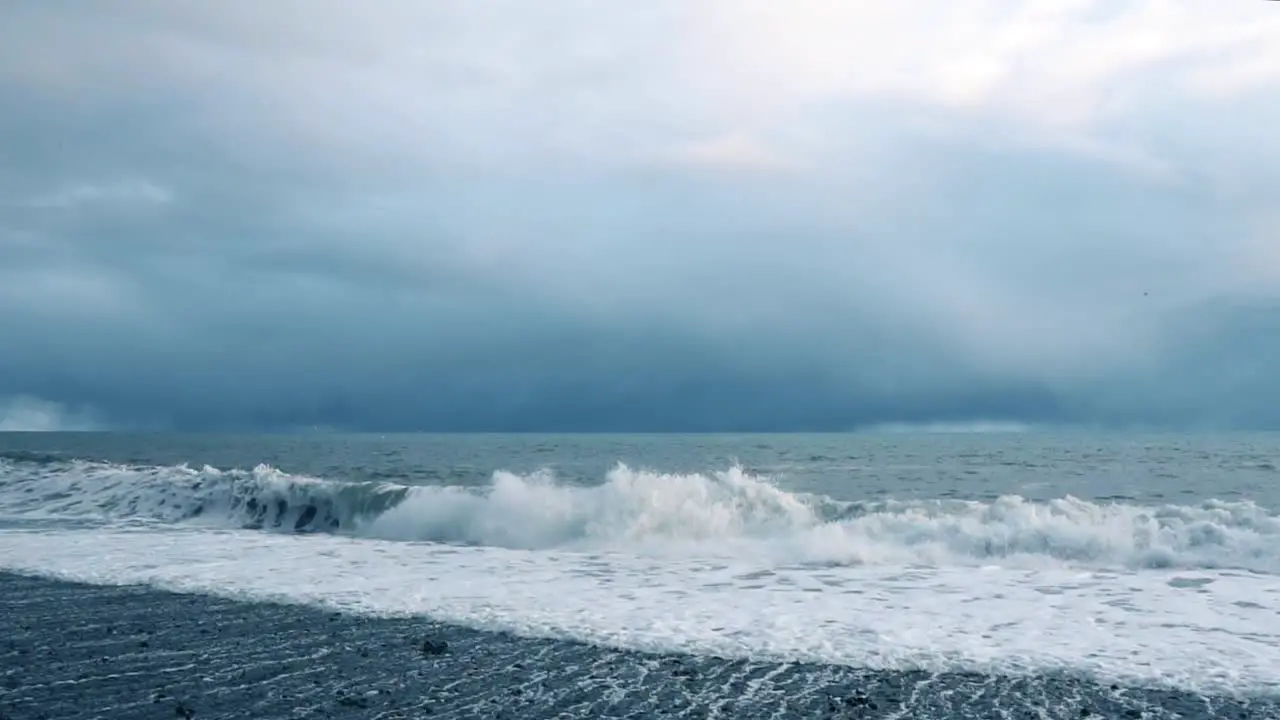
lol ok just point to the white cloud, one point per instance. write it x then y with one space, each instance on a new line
496 83
1004 177
738 151
125 191
1051 59
31 414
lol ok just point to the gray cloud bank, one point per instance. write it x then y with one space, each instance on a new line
225 218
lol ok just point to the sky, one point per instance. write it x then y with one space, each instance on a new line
653 216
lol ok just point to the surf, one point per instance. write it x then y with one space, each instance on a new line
726 514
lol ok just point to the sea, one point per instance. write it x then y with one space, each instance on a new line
904 573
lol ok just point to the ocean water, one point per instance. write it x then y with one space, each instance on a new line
1131 563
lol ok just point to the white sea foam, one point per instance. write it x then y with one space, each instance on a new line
725 563
725 514
1201 630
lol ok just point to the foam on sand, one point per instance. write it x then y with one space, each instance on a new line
722 563
1208 631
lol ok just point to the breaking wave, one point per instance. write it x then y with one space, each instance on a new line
730 513
261 498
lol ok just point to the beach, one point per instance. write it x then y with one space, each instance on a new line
921 577
73 650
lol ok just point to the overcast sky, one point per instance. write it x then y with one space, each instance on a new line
659 215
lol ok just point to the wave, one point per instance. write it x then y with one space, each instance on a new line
261 498
729 513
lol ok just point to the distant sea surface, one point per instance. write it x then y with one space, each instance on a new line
892 574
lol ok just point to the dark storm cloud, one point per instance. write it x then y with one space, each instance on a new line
232 219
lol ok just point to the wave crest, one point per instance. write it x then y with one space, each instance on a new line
537 511
731 513
261 498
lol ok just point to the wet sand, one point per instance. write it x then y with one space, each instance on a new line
70 650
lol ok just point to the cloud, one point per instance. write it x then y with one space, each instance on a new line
31 414
654 216
970 428
127 191
733 151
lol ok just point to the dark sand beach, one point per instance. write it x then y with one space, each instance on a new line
81 651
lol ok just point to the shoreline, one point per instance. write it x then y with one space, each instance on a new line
73 650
